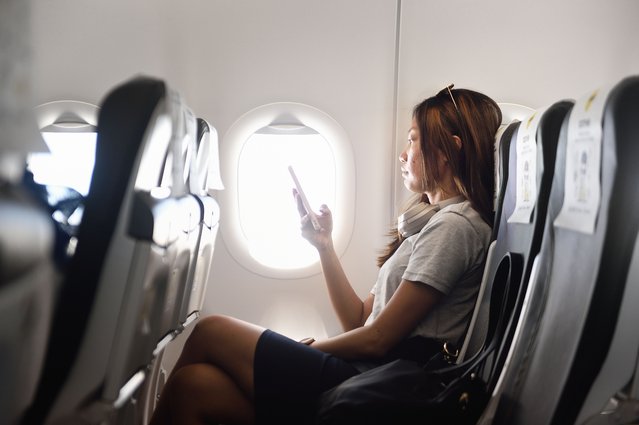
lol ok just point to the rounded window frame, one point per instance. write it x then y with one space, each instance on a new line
276 114
65 117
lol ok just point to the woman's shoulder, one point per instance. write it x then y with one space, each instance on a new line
463 214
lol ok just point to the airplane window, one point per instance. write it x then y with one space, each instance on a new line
61 177
69 131
264 183
69 162
262 225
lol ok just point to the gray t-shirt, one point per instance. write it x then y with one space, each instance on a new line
448 254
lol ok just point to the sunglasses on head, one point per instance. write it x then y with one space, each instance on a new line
450 93
449 90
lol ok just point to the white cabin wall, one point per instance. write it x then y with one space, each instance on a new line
82 49
530 53
334 55
226 58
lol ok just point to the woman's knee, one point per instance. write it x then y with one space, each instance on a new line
204 391
224 329
190 379
208 329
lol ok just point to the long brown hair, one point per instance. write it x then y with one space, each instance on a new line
474 118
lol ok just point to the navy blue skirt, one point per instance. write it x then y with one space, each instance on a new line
290 376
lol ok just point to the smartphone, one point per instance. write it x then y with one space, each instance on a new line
307 206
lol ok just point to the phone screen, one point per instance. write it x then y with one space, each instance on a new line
307 206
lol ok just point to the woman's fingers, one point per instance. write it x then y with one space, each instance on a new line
300 205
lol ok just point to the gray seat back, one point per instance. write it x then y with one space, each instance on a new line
199 186
105 326
576 307
527 156
27 284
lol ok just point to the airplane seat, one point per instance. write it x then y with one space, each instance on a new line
193 233
174 212
201 184
511 113
188 221
502 143
521 205
575 350
104 326
203 179
530 150
28 278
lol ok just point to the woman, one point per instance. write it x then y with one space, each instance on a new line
233 372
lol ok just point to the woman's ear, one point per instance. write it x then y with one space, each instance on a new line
458 142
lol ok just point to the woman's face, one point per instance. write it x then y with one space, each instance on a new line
412 162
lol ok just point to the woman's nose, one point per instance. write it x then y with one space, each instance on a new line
402 157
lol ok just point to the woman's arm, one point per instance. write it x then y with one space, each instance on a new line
406 308
351 310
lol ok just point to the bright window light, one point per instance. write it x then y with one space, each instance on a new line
69 163
268 213
261 225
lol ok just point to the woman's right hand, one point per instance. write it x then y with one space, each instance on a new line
322 238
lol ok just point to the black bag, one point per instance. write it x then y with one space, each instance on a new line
405 392
409 392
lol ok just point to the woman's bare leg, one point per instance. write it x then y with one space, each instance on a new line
213 378
202 394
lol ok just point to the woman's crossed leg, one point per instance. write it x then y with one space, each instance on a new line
212 381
